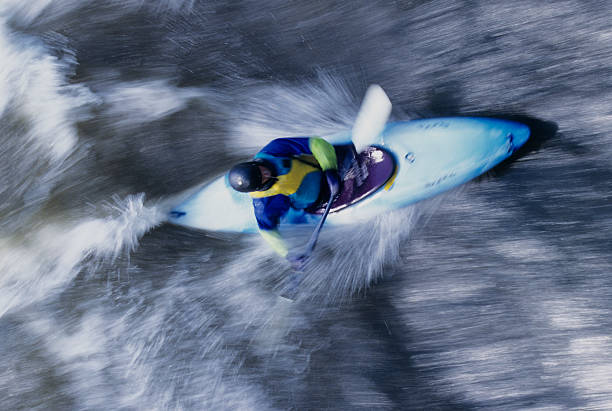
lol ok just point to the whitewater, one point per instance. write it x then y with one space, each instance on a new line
496 295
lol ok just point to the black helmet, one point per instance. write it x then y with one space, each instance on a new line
246 177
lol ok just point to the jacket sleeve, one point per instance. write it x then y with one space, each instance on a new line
324 153
268 212
287 147
275 241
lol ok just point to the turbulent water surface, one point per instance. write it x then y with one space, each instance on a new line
496 295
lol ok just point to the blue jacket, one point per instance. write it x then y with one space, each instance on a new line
298 164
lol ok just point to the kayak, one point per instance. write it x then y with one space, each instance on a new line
407 162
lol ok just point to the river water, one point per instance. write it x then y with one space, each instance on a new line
496 295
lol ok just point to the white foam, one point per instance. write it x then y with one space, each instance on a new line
321 107
32 12
141 102
50 257
526 250
33 86
26 12
589 369
350 259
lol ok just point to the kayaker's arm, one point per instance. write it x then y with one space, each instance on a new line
268 211
274 240
324 153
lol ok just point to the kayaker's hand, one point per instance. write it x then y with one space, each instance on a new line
333 181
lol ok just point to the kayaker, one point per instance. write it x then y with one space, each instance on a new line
287 174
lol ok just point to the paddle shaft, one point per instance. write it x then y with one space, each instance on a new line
370 122
315 234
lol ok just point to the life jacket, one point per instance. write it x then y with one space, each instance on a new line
297 177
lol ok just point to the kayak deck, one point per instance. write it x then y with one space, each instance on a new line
361 174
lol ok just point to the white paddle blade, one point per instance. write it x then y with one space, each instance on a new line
372 117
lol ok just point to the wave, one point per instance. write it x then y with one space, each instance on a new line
48 258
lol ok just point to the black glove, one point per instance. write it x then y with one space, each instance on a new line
333 181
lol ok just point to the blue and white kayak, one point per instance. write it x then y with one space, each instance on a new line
408 161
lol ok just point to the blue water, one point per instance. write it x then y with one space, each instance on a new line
494 296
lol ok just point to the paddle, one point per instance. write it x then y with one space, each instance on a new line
370 122
372 117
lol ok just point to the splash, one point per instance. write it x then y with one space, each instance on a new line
35 12
352 259
132 104
39 110
49 258
321 106
36 97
